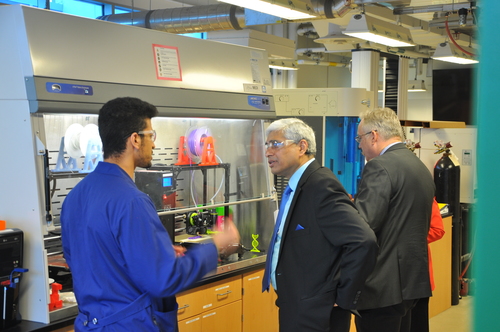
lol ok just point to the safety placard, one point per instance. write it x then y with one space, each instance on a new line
167 63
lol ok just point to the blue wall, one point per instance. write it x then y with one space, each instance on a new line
487 217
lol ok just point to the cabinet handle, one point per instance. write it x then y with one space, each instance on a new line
226 293
183 307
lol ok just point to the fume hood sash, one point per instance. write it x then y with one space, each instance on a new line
173 102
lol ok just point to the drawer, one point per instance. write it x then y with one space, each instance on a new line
190 302
222 292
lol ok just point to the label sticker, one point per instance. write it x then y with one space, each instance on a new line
167 63
259 102
73 89
254 65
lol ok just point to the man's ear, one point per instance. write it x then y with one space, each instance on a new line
134 140
303 145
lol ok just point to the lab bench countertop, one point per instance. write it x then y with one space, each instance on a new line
233 265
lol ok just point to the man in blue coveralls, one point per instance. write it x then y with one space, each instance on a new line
125 269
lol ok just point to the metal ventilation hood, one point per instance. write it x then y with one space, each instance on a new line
64 63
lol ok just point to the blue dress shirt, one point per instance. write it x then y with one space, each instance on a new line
292 183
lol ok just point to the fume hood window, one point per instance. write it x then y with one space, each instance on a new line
32 3
78 8
199 35
120 10
89 9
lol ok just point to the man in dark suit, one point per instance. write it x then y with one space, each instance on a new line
323 250
395 197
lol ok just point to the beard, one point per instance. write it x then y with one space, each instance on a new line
145 164
145 159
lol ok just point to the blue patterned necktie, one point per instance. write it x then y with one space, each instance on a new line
266 281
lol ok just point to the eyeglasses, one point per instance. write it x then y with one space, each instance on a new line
360 137
274 144
151 132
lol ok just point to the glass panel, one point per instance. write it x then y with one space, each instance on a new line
87 9
33 3
200 35
81 8
238 143
239 174
119 10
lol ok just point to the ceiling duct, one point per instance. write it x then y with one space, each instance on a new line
185 19
307 30
331 8
211 17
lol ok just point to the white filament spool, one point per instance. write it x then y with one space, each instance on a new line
90 133
72 140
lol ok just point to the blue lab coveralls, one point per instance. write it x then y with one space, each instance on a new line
125 272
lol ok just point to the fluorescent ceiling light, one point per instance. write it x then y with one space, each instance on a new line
291 10
283 64
416 85
450 53
378 31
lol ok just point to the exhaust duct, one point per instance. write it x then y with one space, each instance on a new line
211 17
184 19
331 8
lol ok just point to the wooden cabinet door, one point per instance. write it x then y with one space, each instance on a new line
441 265
191 324
226 318
259 309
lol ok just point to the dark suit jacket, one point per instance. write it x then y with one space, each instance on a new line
395 197
327 258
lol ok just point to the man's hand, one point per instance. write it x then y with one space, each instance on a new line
179 251
230 237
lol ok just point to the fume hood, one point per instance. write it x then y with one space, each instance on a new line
58 70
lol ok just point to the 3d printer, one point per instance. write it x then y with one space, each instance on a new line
11 262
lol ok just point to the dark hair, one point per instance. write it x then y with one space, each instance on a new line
118 119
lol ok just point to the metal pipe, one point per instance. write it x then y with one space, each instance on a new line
322 63
52 238
292 77
331 8
304 51
184 19
452 21
430 9
212 206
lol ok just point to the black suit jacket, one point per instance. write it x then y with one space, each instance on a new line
327 251
395 197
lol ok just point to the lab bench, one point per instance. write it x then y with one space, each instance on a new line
230 298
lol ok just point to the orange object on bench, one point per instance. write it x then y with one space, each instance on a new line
208 153
182 156
55 302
